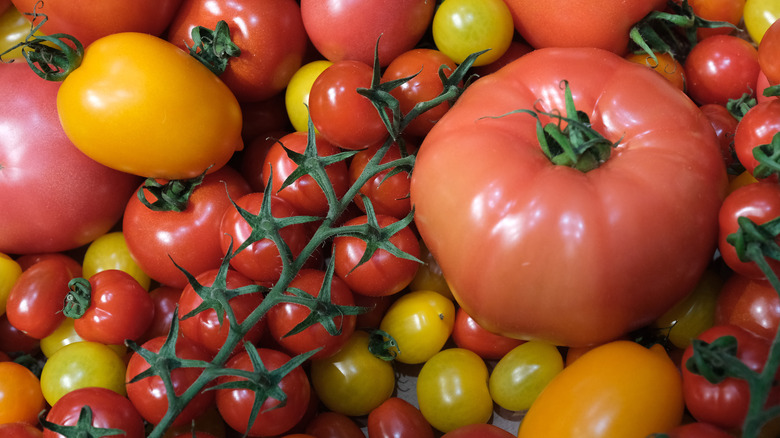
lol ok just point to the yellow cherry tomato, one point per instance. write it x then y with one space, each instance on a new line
20 394
420 322
759 15
521 375
452 390
140 104
9 272
463 27
109 251
429 275
66 334
618 390
296 96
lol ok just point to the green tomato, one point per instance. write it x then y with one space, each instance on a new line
521 375
759 15
463 27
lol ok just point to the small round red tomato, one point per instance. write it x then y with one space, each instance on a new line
383 273
120 308
767 53
275 416
284 317
725 126
388 196
720 68
729 11
396 418
344 117
304 194
698 430
150 395
204 327
329 424
757 127
21 398
260 260
165 299
752 304
20 430
253 158
468 334
109 410
190 238
478 431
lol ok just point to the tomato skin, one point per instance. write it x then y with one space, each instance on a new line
274 418
13 340
202 117
729 11
463 27
10 270
752 304
191 238
296 96
665 65
497 268
109 251
20 430
521 375
638 391
698 430
328 424
468 334
20 394
165 299
770 44
725 126
396 418
720 68
758 16
478 431
388 196
109 410
270 35
757 127
45 207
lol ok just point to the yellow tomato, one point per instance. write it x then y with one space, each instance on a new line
140 104
740 180
66 334
14 28
429 276
617 390
296 96
759 15
521 375
109 251
9 272
463 27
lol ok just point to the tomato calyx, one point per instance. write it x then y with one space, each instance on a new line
739 107
772 91
382 345
83 427
768 156
753 243
213 48
717 360
78 299
173 195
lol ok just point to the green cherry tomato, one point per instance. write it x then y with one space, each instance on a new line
462 27
521 375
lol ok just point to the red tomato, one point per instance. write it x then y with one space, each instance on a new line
729 11
503 222
349 30
377 307
752 304
329 424
253 158
27 260
758 127
150 396
260 261
44 179
478 431
304 194
204 327
283 317
270 35
120 308
725 125
20 430
35 302
720 68
388 196
468 334
165 299
88 21
274 417
190 238
13 340
109 410
396 418
383 273
698 430
603 24
768 49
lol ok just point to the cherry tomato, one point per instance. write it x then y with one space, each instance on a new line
664 64
109 410
20 430
729 11
468 334
165 299
296 96
767 50
756 128
396 418
9 273
429 275
328 424
720 68
463 27
20 394
521 375
725 126
253 158
66 334
110 251
698 430
478 431
752 304
388 196
13 340
758 16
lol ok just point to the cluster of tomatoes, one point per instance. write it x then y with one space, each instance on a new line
228 218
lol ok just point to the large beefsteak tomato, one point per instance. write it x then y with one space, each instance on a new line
535 250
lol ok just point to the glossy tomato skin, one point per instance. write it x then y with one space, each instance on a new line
274 417
729 11
20 394
496 253
468 334
720 68
350 29
157 239
165 300
20 430
478 431
603 24
44 177
752 304
109 251
463 27
396 418
770 45
88 21
109 410
187 123
270 35
756 128
388 196
725 126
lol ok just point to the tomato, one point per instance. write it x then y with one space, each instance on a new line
383 273
275 416
517 48
396 418
752 304
720 68
758 127
420 322
478 431
165 299
638 391
81 365
188 238
46 205
118 308
353 381
429 276
759 202
328 424
260 260
463 27
109 410
377 306
35 302
725 126
20 394
110 111
150 395
603 24
759 16
468 334
452 390
342 115
14 28
13 340
664 64
28 260
285 316
206 327
270 35
9 273
66 334
253 157
20 430
503 234
770 45
729 11
88 22
349 30
725 404
521 375
110 251
698 430
304 194
388 195
296 96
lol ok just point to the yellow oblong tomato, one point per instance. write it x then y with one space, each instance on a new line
10 270
140 104
618 390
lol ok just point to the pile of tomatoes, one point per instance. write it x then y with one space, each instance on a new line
417 218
